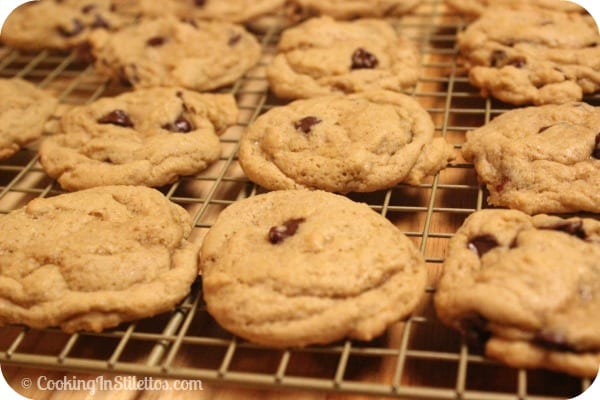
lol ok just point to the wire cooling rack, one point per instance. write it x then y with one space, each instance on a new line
417 358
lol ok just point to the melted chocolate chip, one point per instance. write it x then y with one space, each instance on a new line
116 117
233 40
596 151
199 3
474 328
552 339
278 234
100 22
518 62
497 58
156 41
75 29
305 124
363 59
482 244
87 8
180 125
573 227
502 184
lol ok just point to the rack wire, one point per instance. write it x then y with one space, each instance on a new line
417 358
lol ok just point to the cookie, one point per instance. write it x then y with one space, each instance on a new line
148 137
543 159
24 109
532 56
350 9
478 7
48 24
530 284
322 56
197 55
293 268
93 259
356 143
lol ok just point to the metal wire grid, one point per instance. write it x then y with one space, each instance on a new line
418 358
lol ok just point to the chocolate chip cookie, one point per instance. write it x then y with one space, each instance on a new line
478 7
294 268
93 259
322 56
199 55
356 143
543 159
344 9
24 109
148 137
532 56
529 285
49 24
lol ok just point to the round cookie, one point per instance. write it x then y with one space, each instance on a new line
322 56
294 268
58 25
93 259
543 159
24 109
478 7
532 56
238 11
356 143
148 137
531 284
350 9
198 55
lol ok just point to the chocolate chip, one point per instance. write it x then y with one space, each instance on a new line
180 125
76 28
200 3
497 58
474 326
482 244
501 185
156 41
87 8
573 227
518 62
233 40
553 339
305 124
117 117
279 233
100 22
596 151
363 59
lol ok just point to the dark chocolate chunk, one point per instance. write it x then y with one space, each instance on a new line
518 62
278 234
156 41
305 124
117 117
200 3
482 244
498 58
552 339
573 227
180 125
363 59
474 327
76 28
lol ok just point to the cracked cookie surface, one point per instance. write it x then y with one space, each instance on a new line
543 159
198 55
357 143
532 56
322 56
92 259
147 137
529 283
351 9
298 267
24 109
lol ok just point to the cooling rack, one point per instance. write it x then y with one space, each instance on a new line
415 359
